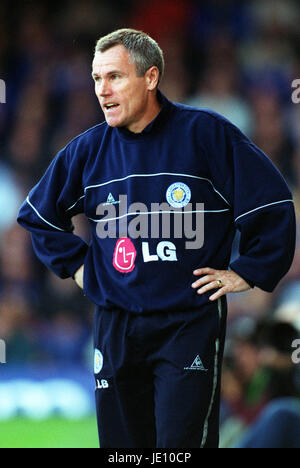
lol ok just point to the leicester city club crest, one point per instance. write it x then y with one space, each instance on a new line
98 361
178 195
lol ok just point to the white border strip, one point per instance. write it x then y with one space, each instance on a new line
41 217
149 175
263 206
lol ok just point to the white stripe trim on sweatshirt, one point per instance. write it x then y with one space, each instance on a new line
41 217
263 206
74 204
149 175
156 212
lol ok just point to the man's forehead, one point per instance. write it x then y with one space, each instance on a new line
116 56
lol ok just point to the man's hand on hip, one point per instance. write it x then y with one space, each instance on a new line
226 281
78 277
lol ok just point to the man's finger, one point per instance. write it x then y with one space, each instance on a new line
208 287
204 271
206 279
221 292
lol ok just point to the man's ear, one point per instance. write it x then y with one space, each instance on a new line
152 78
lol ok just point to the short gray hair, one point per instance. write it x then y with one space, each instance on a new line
143 50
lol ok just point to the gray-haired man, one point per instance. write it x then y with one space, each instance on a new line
159 333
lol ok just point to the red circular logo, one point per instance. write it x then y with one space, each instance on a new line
124 255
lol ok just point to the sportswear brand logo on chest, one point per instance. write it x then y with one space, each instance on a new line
111 200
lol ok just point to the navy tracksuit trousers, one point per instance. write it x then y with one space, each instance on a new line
158 377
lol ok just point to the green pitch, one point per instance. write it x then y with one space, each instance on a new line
50 433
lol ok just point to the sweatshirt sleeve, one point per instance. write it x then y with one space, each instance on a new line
47 214
262 207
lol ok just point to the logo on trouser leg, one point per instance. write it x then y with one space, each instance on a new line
100 384
197 365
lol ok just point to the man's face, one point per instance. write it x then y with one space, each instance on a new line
123 96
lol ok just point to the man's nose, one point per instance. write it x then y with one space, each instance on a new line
104 89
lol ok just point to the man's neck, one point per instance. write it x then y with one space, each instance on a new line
154 109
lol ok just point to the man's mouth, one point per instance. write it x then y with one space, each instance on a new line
110 105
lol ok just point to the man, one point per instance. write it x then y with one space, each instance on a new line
160 300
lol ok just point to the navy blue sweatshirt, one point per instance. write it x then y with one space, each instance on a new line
191 160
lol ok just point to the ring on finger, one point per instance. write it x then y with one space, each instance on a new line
220 283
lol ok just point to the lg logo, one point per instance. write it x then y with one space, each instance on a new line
165 251
125 254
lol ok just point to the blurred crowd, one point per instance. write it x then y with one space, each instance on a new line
234 56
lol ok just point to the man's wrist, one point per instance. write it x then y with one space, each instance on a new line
78 276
